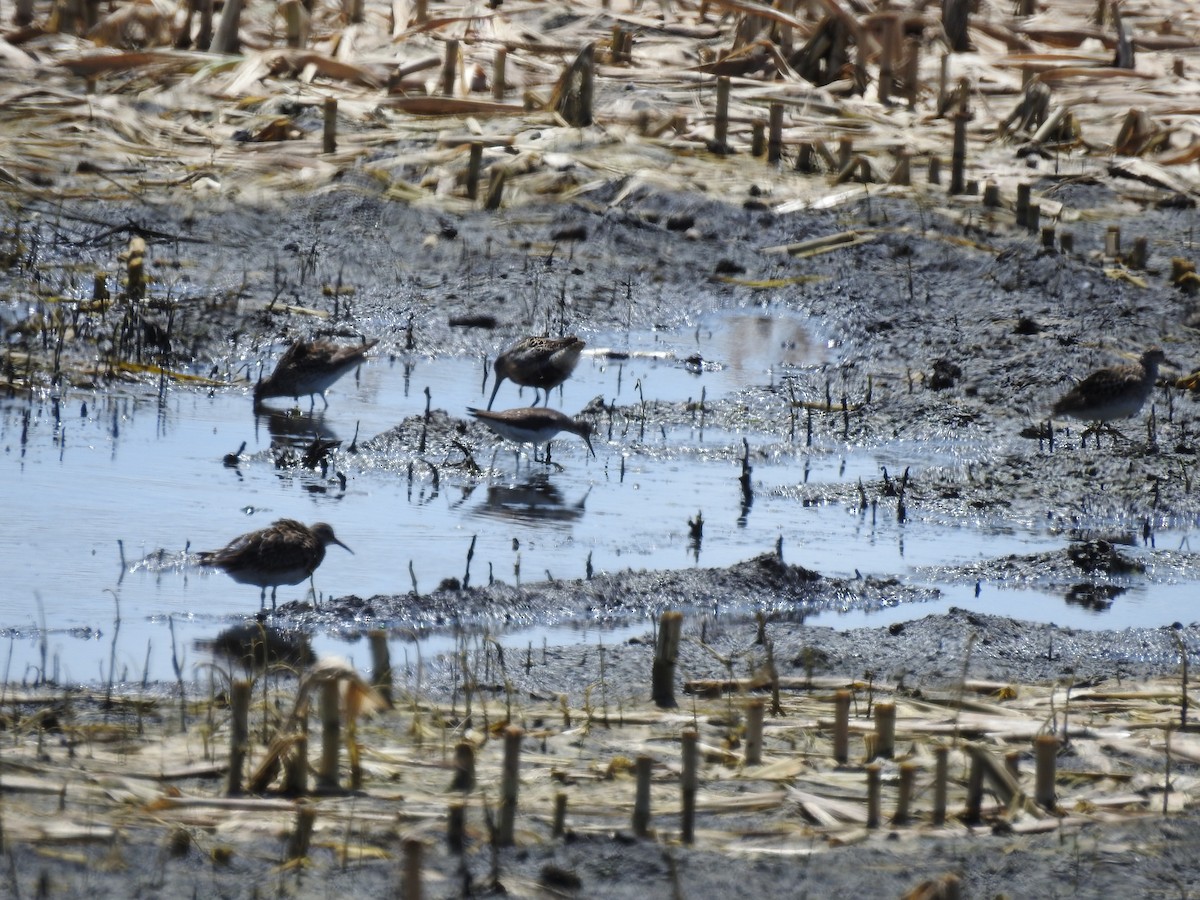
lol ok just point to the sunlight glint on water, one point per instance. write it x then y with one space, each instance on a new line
151 477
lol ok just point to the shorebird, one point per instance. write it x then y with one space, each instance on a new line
286 552
308 368
537 362
1117 392
529 425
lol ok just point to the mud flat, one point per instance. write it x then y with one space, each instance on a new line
144 802
172 213
111 794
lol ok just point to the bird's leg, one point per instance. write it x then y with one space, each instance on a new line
1102 427
262 598
324 400
312 586
273 590
546 460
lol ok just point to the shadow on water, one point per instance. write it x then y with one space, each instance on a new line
535 500
105 479
295 428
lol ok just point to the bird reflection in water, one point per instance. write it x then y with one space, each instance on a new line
534 499
257 646
294 428
1096 597
299 439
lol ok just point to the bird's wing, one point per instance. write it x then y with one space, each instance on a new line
287 548
294 355
350 352
1100 380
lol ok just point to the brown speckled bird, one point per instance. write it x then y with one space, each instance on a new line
537 362
308 368
286 552
1117 392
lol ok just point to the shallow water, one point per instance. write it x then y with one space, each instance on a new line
124 475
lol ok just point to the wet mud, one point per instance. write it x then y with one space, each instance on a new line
949 332
949 336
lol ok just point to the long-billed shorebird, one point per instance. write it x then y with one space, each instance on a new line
1116 392
530 425
308 368
539 363
286 552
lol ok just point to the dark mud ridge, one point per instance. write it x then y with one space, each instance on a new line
726 610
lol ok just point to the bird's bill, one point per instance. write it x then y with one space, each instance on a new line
587 439
495 391
343 546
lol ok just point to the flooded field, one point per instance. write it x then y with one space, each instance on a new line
119 489
835 264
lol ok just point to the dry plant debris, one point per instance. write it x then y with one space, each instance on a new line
124 106
1122 754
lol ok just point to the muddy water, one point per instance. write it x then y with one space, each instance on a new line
116 489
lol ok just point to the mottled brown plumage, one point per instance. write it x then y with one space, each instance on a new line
1117 392
308 368
286 552
537 362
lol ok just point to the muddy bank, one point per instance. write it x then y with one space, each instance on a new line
724 607
948 336
145 807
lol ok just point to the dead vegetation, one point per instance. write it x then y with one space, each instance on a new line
158 101
133 103
493 107
829 762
